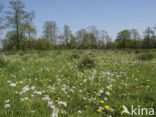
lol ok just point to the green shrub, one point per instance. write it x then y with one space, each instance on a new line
86 62
3 61
58 52
74 56
145 56
129 51
9 53
137 51
116 51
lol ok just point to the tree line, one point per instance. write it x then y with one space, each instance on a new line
21 34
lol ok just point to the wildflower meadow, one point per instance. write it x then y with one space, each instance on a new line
75 83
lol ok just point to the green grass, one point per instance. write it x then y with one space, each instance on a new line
58 77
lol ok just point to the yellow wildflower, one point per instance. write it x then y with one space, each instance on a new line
99 110
17 82
136 87
2 75
30 100
110 88
58 99
101 101
124 94
86 106
122 83
106 107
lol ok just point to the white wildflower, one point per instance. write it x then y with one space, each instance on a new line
21 82
7 106
105 98
101 108
79 111
55 112
50 103
9 81
37 92
12 84
85 80
32 111
13 76
32 88
108 87
46 97
63 112
111 109
22 99
7 101
107 93
63 103
25 89
101 91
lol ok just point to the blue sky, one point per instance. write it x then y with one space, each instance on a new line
110 15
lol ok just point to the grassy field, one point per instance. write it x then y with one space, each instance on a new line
47 83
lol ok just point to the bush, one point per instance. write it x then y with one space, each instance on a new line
74 56
58 52
129 51
146 56
3 61
137 51
86 62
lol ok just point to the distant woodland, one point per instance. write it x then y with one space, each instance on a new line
22 35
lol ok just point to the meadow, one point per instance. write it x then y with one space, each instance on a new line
55 83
